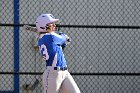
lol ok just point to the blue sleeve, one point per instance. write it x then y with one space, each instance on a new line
63 35
59 39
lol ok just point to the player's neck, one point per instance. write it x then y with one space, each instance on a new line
50 31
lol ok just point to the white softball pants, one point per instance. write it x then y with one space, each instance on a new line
57 80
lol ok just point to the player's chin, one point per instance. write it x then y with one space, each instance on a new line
53 29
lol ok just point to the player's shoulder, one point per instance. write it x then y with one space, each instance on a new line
50 36
55 35
44 35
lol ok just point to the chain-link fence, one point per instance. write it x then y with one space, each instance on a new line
103 57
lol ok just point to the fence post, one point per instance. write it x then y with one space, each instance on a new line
16 46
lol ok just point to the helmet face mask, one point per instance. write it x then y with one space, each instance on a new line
43 20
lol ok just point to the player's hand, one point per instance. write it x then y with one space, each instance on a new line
68 39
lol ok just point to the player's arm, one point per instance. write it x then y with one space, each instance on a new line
59 39
68 40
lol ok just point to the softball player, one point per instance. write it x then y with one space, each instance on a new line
56 76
